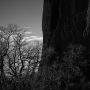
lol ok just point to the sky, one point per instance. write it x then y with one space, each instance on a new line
25 13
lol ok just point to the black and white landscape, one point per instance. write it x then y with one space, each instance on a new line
44 44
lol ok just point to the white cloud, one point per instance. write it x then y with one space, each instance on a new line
33 38
30 36
28 32
27 27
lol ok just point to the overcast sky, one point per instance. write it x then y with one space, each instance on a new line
25 13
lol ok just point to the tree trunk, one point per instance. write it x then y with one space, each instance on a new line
63 23
3 82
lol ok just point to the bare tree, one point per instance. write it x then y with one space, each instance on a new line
19 52
5 34
18 59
